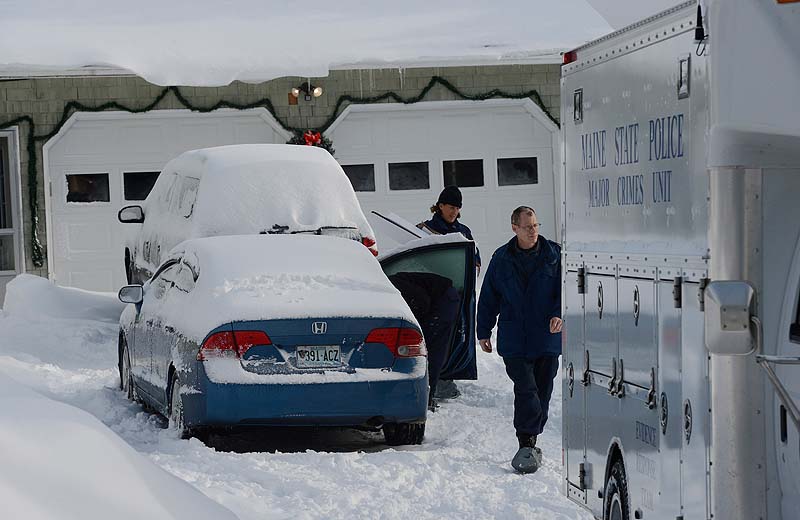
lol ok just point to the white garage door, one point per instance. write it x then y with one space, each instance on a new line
501 153
101 162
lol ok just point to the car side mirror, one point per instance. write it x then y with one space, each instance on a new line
729 308
131 294
131 215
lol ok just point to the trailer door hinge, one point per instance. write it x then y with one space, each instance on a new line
581 280
701 293
677 292
582 476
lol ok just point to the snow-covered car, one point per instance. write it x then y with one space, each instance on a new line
242 189
295 330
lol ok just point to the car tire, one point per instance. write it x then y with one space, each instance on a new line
615 506
176 419
399 434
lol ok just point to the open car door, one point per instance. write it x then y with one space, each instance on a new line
453 257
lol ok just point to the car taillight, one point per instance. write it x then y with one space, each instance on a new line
402 342
370 243
250 338
231 344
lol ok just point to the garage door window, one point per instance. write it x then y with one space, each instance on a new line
517 170
409 176
463 173
362 176
88 187
137 185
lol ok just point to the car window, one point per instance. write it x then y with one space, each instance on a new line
450 263
188 196
163 281
184 280
166 193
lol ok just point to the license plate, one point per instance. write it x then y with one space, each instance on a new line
318 356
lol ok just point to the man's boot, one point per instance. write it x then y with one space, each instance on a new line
447 389
528 457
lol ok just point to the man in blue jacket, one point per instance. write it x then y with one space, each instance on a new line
523 286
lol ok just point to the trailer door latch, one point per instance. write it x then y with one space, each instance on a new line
651 395
585 376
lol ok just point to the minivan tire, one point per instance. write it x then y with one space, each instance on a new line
399 434
615 506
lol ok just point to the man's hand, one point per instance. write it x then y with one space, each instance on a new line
555 324
486 344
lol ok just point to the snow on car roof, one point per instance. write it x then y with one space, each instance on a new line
251 188
257 277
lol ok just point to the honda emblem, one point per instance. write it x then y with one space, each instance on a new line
319 327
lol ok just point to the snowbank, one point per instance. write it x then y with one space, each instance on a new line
34 296
61 462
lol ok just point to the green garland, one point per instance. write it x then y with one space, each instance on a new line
37 252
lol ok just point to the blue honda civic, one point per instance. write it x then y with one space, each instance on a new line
264 330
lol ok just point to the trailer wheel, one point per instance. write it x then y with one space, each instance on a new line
616 505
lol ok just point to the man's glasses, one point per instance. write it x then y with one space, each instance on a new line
531 228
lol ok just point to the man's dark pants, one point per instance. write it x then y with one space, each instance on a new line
533 386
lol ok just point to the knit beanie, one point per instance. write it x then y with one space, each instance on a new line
450 195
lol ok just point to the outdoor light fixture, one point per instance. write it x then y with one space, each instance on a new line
308 89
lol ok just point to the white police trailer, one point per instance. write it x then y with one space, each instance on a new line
681 220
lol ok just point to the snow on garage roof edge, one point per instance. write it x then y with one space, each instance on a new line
209 45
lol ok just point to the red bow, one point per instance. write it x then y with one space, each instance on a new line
312 138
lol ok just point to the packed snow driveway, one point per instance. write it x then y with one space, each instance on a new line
63 345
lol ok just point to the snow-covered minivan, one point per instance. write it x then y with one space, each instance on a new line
242 189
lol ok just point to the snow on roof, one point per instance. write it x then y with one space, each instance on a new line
258 277
211 43
250 188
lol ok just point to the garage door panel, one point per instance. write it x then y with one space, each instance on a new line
458 132
522 130
95 280
252 133
149 141
89 237
356 135
190 136
76 145
407 134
